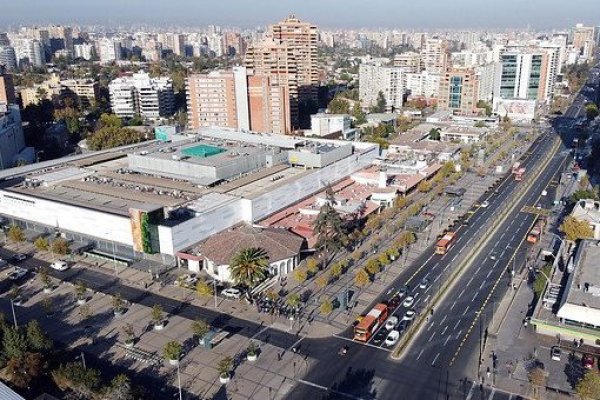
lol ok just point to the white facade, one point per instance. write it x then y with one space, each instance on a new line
423 84
326 124
150 98
108 50
388 80
84 51
486 74
12 142
8 57
32 51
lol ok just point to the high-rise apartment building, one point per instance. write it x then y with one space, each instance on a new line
85 91
374 79
435 55
238 99
7 88
108 50
524 74
583 40
61 37
459 91
289 55
12 141
410 62
138 94
8 57
31 52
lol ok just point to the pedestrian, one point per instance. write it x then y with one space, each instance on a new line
279 357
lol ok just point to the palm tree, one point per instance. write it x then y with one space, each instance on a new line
329 225
249 266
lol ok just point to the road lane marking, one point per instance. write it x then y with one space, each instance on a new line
478 269
454 258
466 311
447 340
470 280
458 334
489 273
474 296
432 336
443 320
435 359
456 326
481 286
452 306
444 331
420 353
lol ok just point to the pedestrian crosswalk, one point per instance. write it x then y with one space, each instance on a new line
484 392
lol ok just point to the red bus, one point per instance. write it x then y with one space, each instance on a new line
369 324
519 174
445 243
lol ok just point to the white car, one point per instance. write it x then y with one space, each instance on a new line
424 284
485 204
409 301
392 338
59 265
17 273
391 323
409 316
231 293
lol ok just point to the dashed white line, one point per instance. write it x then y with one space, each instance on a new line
444 331
442 321
474 296
466 311
481 286
456 326
435 359
470 280
432 336
447 340
478 269
461 293
452 306
454 258
458 334
420 353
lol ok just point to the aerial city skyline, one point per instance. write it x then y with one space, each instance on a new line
346 200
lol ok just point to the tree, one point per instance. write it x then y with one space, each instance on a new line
300 275
539 285
224 366
80 289
537 378
172 350
119 389
14 343
82 381
44 277
249 266
591 111
36 339
424 186
358 114
203 289
118 303
312 265
85 312
575 229
22 372
41 244
372 266
329 225
338 106
16 234
336 270
588 388
293 300
381 104
111 136
361 278
200 327
157 314
584 183
434 134
326 307
60 246
383 259
322 280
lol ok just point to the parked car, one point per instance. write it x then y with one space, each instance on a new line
555 353
409 301
231 293
392 338
485 204
19 257
17 273
403 325
409 316
59 265
186 280
379 337
391 323
587 361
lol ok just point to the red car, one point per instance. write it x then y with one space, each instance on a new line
587 361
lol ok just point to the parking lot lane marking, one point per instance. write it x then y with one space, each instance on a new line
492 394
456 326
420 353
435 359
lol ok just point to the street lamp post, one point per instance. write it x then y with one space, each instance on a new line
179 382
215 292
12 306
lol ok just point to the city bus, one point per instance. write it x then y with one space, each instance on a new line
371 322
444 244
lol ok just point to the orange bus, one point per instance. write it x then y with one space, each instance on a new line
444 244
369 324
536 231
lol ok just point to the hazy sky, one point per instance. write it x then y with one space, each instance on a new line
425 14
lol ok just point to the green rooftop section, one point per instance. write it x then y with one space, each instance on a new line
202 151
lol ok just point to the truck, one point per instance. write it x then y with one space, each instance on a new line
536 231
515 167
519 174
444 244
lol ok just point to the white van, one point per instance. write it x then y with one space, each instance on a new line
59 265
